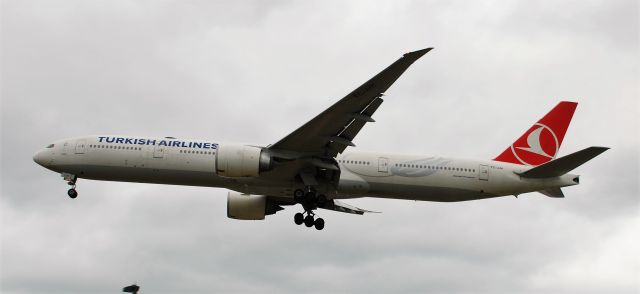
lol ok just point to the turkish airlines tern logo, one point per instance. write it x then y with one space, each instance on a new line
540 145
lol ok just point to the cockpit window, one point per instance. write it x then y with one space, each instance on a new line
50 146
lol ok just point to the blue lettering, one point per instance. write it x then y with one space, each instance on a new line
141 141
110 139
100 139
128 141
183 144
151 142
175 144
162 143
197 145
214 146
119 140
206 145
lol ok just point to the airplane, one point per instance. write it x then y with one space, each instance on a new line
310 166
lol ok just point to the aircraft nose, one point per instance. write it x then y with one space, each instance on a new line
39 158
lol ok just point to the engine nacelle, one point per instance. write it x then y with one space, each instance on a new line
237 160
249 207
244 206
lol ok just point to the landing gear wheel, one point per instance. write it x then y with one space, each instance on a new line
322 200
72 193
319 224
298 218
298 195
308 221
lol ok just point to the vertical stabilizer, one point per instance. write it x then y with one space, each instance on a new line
542 141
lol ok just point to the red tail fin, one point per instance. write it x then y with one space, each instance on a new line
542 141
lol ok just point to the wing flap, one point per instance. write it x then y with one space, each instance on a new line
338 206
353 128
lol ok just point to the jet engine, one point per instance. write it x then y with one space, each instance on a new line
249 207
236 160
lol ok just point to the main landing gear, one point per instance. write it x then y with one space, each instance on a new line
309 201
71 181
309 220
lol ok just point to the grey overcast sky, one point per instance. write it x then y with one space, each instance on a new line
253 71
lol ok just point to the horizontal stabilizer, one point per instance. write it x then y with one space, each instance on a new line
563 165
336 205
553 192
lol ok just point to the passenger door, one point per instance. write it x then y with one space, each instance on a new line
483 172
383 164
65 148
158 151
80 146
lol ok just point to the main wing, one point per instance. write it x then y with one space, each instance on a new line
316 143
333 130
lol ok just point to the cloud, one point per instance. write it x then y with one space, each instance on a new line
253 72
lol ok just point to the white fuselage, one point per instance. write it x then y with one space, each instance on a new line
362 174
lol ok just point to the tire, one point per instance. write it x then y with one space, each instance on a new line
319 224
298 218
308 221
72 193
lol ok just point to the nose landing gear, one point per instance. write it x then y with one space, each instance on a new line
71 181
72 193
